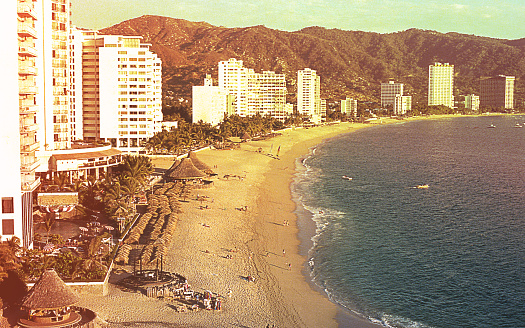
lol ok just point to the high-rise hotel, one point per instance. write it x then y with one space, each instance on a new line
497 92
263 93
58 94
118 86
309 94
441 85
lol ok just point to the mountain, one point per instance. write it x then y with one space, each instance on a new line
350 63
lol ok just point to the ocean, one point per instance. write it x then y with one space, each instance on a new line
451 255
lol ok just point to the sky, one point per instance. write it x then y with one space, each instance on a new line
504 19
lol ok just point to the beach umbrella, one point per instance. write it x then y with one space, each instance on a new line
48 248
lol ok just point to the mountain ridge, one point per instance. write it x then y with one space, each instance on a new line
351 63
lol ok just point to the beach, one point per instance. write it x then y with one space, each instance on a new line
244 225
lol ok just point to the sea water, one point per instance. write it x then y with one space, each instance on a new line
452 255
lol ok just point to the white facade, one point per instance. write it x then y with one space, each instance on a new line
120 90
309 94
349 107
389 91
210 103
441 85
233 78
263 93
402 104
472 102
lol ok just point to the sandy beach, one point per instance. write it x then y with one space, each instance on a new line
259 242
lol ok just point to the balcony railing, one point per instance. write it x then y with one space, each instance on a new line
29 148
27 89
25 29
27 70
29 166
31 184
26 11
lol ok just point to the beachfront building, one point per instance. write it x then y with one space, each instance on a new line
472 102
53 81
309 94
441 85
210 103
18 142
389 91
120 88
497 92
402 104
349 107
263 93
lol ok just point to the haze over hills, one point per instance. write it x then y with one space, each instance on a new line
351 63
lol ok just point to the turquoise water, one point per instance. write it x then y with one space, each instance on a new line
452 255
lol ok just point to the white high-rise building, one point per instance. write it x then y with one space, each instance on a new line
472 102
233 78
120 88
441 85
18 89
309 94
349 107
402 104
389 91
210 103
263 93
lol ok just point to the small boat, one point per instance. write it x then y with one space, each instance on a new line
491 126
347 178
424 186
517 125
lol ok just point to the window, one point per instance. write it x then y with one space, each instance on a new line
8 227
7 205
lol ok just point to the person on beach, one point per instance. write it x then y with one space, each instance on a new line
284 253
290 266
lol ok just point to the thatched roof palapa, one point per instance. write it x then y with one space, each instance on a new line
176 163
49 292
199 164
186 171
246 136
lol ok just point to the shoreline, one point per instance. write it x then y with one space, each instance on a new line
281 295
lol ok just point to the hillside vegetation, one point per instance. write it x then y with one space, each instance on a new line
351 63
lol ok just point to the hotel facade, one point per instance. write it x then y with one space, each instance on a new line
253 93
497 92
441 85
309 94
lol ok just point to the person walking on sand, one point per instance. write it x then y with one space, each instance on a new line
290 266
284 253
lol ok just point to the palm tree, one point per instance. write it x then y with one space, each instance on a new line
61 180
8 258
92 261
48 221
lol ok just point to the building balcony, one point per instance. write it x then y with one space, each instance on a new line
28 128
26 11
30 165
26 30
27 89
29 148
27 70
28 109
31 184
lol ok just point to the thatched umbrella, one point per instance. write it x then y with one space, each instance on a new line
176 163
200 164
186 171
49 292
48 302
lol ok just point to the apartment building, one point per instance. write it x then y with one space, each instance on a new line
349 107
472 102
120 87
389 91
309 94
441 85
18 127
210 103
402 104
497 92
233 79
